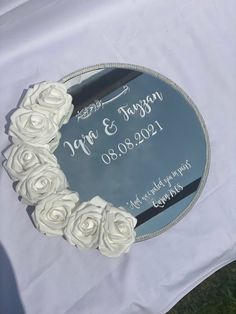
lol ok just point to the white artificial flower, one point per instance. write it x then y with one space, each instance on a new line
83 227
52 213
33 128
40 182
50 99
22 157
117 231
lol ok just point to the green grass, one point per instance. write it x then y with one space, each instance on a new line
215 295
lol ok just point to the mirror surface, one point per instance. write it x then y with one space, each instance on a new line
136 140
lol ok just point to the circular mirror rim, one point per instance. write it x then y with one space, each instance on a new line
190 102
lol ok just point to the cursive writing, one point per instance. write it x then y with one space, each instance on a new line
162 189
142 107
84 143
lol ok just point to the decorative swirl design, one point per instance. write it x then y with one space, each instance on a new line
98 104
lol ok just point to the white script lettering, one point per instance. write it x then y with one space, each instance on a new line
84 143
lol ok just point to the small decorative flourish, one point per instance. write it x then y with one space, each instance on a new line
34 131
99 104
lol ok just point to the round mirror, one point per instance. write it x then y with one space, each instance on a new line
136 140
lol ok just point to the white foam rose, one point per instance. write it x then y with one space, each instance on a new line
117 231
40 182
83 227
50 99
33 128
21 158
52 213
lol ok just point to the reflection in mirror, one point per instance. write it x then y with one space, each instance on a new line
136 140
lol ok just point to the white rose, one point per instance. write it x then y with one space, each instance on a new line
52 213
40 182
50 99
21 158
117 231
83 227
33 128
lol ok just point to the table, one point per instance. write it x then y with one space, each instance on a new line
192 43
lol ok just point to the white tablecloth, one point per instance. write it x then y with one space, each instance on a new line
192 43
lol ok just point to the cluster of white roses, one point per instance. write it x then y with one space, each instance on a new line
30 162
